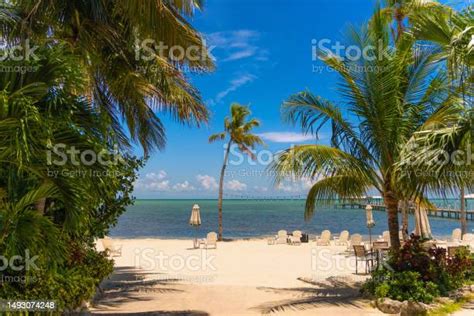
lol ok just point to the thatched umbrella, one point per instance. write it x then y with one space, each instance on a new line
195 220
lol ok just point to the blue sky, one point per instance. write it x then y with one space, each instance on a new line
263 55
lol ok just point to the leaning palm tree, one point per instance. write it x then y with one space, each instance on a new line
237 130
387 97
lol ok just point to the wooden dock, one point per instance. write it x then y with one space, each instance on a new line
438 212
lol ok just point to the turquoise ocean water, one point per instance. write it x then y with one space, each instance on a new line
253 218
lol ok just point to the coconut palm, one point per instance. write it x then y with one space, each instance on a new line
387 98
124 80
237 131
401 12
451 32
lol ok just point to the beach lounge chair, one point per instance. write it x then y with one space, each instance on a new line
281 237
111 248
295 238
210 241
324 239
362 255
343 239
456 235
356 240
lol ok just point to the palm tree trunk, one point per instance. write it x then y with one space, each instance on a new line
405 207
463 212
221 193
391 203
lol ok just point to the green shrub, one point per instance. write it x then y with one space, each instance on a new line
420 274
69 285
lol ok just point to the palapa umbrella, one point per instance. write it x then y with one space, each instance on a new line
370 221
195 220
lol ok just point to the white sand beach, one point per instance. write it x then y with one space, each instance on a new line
242 277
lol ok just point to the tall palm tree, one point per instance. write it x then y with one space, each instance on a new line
124 82
237 130
387 98
452 33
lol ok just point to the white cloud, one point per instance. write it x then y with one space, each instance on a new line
239 44
207 182
184 186
300 186
160 175
286 137
287 187
234 85
235 185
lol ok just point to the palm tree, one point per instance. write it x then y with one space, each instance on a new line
451 32
107 37
237 130
387 98
398 11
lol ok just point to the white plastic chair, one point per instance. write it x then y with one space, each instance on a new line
324 239
295 238
210 241
343 239
114 250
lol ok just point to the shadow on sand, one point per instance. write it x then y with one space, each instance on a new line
331 292
128 284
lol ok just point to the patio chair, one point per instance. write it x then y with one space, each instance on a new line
362 255
324 239
295 238
112 249
343 239
210 241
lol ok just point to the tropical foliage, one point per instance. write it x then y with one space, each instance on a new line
66 171
237 130
420 273
117 45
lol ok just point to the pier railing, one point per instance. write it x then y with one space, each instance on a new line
378 204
